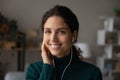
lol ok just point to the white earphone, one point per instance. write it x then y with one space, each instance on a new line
73 39
71 56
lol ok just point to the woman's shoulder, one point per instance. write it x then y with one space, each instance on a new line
89 66
90 69
34 69
35 65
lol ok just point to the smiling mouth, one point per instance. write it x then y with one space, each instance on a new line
55 45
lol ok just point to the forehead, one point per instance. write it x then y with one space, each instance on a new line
55 22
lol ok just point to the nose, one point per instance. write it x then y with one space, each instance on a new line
54 37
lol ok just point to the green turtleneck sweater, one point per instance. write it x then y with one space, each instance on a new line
78 70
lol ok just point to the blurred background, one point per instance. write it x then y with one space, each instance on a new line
99 33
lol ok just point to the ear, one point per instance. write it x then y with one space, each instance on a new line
74 36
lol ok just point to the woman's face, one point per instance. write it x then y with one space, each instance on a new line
57 36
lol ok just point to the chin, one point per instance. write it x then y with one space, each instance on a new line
54 53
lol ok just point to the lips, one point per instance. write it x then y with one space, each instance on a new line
55 45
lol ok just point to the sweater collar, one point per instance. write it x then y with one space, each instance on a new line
65 60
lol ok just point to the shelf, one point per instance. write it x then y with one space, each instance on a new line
113 59
33 49
115 71
109 39
18 49
110 23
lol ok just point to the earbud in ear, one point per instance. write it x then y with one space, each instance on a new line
73 40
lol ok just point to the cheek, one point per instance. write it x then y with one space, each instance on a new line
67 40
45 39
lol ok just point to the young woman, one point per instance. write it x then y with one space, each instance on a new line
60 57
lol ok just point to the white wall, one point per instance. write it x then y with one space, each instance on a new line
28 14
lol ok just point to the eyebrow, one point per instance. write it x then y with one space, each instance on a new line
57 29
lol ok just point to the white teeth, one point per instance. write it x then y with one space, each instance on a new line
55 45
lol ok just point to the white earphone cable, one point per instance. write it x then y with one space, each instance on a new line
67 65
71 54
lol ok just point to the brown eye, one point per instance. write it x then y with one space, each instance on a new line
62 32
47 31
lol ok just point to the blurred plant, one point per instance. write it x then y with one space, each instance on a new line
8 28
2 70
117 11
2 18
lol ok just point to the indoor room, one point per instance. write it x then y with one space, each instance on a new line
21 36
